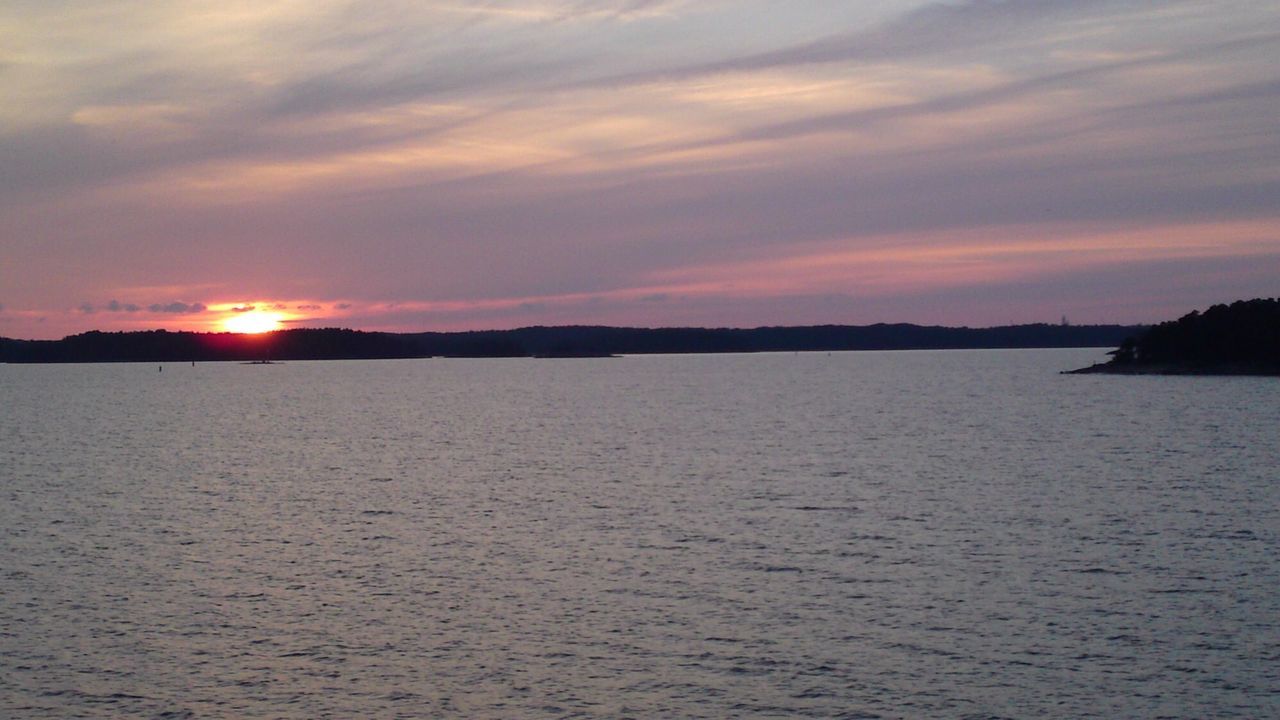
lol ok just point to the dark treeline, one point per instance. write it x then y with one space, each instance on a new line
1243 337
574 341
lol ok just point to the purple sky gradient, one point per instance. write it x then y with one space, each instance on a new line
463 165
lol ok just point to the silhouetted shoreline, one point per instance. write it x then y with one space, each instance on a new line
1242 338
549 342
1174 369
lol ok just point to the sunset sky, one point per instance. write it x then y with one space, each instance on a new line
502 163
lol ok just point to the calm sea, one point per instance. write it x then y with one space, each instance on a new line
853 535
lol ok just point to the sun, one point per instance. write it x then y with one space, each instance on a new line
252 322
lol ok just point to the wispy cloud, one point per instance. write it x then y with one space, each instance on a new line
177 308
335 157
169 308
117 306
928 31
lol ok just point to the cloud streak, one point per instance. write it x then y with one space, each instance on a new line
177 308
930 30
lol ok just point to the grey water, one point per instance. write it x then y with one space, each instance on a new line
845 535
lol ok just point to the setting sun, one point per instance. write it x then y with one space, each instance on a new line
252 322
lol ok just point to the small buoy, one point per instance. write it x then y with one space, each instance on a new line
160 369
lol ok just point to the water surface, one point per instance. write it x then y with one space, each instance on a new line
907 534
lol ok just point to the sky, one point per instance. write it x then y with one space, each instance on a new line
472 164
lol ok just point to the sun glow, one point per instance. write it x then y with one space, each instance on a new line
252 322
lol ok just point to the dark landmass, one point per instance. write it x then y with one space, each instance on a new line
554 342
1242 338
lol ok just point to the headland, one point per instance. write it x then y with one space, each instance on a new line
1242 338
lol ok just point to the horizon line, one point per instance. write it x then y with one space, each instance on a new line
581 326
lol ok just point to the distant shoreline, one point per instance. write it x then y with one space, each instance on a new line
545 342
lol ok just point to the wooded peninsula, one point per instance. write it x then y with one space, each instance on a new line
1242 338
